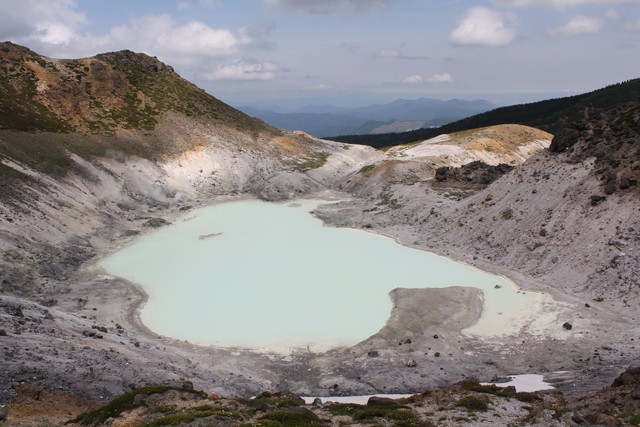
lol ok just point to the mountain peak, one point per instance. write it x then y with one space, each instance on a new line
101 94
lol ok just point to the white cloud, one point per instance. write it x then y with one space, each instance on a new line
560 4
388 53
613 15
327 7
189 44
441 78
320 87
184 5
53 21
413 79
244 70
482 27
578 25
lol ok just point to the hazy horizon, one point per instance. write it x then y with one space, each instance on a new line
262 51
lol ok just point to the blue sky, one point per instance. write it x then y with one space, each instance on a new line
357 51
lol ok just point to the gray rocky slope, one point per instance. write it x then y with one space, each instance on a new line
564 222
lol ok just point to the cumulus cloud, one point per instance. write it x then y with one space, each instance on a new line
327 7
245 70
53 21
578 25
482 27
560 4
441 78
56 31
413 79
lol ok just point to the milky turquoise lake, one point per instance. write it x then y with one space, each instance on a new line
264 275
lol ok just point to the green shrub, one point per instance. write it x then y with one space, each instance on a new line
292 419
474 403
170 420
366 168
121 404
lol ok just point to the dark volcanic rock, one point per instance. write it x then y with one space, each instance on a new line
564 140
477 173
630 377
155 222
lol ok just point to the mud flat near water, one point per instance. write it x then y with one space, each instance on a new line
264 264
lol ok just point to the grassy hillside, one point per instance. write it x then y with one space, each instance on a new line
111 104
119 90
547 115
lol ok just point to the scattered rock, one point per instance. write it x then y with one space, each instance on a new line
624 183
317 402
139 399
596 199
3 333
628 378
568 326
155 222
373 353
91 334
411 363
436 354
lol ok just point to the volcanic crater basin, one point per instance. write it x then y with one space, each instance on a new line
258 275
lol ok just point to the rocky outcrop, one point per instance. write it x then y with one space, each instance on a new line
475 173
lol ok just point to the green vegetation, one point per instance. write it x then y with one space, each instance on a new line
508 392
170 420
311 161
390 410
292 419
631 418
99 95
121 404
473 403
19 108
366 168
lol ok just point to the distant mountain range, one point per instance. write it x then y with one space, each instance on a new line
549 115
397 116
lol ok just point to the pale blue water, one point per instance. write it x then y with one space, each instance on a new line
277 277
